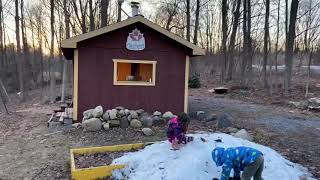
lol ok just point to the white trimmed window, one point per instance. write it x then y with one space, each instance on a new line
134 72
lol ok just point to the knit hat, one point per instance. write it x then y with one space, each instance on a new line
217 155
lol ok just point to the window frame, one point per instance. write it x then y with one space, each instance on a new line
133 83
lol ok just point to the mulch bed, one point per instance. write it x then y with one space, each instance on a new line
96 159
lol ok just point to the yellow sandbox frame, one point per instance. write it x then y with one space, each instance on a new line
100 171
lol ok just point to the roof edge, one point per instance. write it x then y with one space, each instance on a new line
72 42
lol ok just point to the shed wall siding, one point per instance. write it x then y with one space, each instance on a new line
95 79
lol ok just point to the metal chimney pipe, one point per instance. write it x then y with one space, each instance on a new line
135 8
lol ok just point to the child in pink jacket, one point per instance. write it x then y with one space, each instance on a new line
177 128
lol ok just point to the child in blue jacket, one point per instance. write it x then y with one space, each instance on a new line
245 159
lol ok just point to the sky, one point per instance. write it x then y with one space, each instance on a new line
9 13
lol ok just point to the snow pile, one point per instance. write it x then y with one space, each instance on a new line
159 162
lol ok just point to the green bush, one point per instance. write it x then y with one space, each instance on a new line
194 81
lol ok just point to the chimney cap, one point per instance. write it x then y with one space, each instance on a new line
134 3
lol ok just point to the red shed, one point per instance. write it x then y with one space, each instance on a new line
133 63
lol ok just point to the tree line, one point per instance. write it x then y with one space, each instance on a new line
233 29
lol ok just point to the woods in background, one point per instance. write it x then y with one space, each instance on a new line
238 32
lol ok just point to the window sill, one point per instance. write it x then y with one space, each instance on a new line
132 83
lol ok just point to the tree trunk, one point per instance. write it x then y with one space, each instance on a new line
51 68
104 12
224 39
250 53
265 46
245 43
309 72
65 63
18 54
25 53
119 11
236 16
188 20
286 20
1 42
276 46
92 26
289 45
196 25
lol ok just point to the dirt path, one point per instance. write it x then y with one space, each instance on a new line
295 135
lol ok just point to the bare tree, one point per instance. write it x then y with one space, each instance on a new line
265 46
18 53
91 17
52 71
104 12
1 41
236 16
289 45
196 24
65 63
224 10
83 13
188 19
119 10
277 43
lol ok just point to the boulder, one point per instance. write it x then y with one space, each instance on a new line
106 116
314 101
299 105
168 115
124 123
106 126
140 111
121 113
129 118
147 131
88 114
135 123
314 104
157 113
113 114
114 123
211 117
158 121
134 114
224 121
76 125
97 112
93 124
211 124
192 114
119 108
243 134
231 130
201 115
127 111
146 121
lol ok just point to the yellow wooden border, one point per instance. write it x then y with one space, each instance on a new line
186 85
134 83
72 42
75 84
101 171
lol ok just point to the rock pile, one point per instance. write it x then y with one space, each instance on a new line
96 119
312 104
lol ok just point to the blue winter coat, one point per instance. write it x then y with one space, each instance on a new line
234 158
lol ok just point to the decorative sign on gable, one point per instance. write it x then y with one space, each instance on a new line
135 41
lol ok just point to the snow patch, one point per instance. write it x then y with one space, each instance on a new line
159 162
